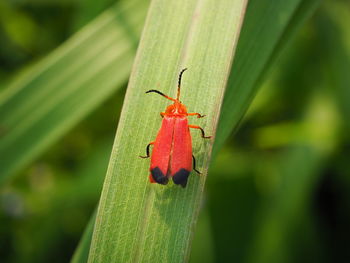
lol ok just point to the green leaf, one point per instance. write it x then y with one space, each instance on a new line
252 34
138 221
203 247
336 40
82 251
268 27
47 100
297 172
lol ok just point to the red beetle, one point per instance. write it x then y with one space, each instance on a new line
172 151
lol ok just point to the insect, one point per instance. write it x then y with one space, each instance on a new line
172 150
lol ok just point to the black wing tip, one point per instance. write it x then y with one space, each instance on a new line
181 177
158 176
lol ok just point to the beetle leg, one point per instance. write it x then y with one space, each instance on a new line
202 131
194 165
147 150
195 114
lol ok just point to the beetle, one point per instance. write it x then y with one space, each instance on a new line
172 149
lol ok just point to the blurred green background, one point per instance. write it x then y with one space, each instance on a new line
278 191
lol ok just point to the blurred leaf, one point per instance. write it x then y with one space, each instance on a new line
18 26
81 254
268 27
138 221
202 248
89 9
334 27
297 172
48 99
232 204
52 223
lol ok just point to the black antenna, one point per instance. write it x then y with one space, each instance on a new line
179 83
160 93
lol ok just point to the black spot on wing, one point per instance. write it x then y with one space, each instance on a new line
181 177
158 176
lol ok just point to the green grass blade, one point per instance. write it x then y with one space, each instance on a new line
47 100
336 39
81 253
203 247
137 221
267 28
248 31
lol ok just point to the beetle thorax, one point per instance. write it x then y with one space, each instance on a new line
176 109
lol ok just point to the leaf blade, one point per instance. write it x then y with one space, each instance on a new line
251 11
271 37
172 41
67 85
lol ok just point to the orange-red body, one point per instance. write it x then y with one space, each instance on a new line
172 152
